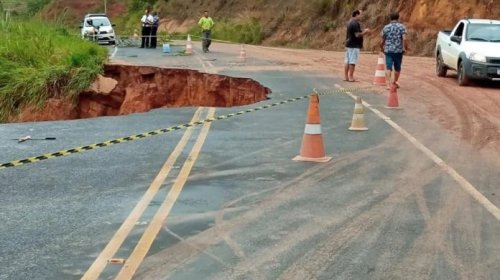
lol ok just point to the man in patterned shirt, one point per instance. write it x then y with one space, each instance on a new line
394 45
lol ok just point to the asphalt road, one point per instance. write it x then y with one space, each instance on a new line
381 209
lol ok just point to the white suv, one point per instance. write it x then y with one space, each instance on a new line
98 27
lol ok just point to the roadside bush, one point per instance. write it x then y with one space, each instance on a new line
248 32
140 5
130 23
34 6
331 8
39 61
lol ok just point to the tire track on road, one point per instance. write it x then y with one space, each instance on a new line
419 261
313 263
162 265
465 257
477 127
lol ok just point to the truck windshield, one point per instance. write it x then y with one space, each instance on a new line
483 32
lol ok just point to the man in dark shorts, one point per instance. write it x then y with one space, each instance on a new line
354 44
394 45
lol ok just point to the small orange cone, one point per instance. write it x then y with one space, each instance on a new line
243 54
393 102
380 78
313 148
358 118
189 45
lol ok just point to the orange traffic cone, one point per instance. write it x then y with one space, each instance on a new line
358 118
313 148
393 102
380 78
243 54
189 45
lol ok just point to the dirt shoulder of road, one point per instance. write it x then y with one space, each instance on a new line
472 113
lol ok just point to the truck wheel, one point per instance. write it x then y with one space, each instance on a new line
441 69
463 80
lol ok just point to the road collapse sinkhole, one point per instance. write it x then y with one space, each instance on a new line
125 89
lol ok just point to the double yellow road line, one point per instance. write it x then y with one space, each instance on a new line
135 259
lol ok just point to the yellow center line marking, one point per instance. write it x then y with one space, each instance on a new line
117 240
466 185
142 248
208 66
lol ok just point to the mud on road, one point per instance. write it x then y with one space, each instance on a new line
471 112
380 212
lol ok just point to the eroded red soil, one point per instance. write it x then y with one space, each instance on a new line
128 89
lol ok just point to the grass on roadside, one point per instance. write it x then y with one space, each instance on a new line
248 32
39 61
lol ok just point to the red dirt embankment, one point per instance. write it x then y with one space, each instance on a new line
71 9
318 24
134 89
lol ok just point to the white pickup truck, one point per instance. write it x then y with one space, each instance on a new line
472 48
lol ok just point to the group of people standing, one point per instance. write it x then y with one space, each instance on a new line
393 44
393 41
149 23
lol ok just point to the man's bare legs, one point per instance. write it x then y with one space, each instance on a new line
349 72
396 77
389 80
352 67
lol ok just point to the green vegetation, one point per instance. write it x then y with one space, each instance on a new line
129 23
140 5
23 8
39 61
34 6
248 32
